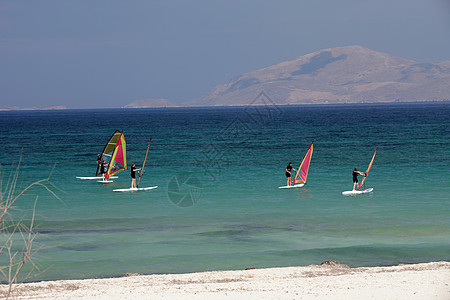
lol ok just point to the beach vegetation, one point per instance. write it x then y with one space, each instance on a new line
18 247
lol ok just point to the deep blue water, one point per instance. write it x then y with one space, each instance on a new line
217 205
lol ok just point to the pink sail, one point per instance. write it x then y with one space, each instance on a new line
302 172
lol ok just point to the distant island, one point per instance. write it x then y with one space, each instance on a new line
352 74
8 108
150 102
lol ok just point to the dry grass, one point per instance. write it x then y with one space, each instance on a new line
17 239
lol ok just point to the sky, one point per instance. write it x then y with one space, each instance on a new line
108 53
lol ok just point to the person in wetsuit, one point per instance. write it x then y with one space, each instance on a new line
99 162
133 175
355 174
289 169
102 169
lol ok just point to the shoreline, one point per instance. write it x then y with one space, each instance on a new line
330 280
244 105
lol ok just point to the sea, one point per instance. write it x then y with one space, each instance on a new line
217 205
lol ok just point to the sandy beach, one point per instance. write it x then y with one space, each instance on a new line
327 281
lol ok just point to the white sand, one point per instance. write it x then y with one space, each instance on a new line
418 281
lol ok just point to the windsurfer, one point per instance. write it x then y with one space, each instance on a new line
355 174
289 168
102 169
99 162
133 175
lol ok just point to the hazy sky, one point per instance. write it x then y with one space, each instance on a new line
107 53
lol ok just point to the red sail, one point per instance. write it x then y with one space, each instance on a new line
302 172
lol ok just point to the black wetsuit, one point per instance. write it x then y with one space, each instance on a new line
355 176
290 170
99 163
133 172
102 168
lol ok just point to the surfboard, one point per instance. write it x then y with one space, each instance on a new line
94 177
105 181
136 189
292 186
350 193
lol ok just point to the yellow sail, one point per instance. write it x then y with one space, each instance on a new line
368 170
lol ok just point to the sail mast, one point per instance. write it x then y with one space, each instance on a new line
143 165
368 169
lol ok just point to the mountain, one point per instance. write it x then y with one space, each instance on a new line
148 103
337 75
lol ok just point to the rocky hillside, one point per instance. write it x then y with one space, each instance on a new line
338 75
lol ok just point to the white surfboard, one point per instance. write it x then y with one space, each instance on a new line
292 186
105 181
94 177
136 189
349 193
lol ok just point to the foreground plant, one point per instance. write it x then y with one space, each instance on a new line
15 253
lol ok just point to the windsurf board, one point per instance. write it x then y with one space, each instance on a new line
292 186
94 177
105 181
136 189
356 192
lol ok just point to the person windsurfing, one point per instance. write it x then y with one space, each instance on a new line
355 174
289 169
99 162
133 175
103 169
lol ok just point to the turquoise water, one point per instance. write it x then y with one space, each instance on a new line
217 206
